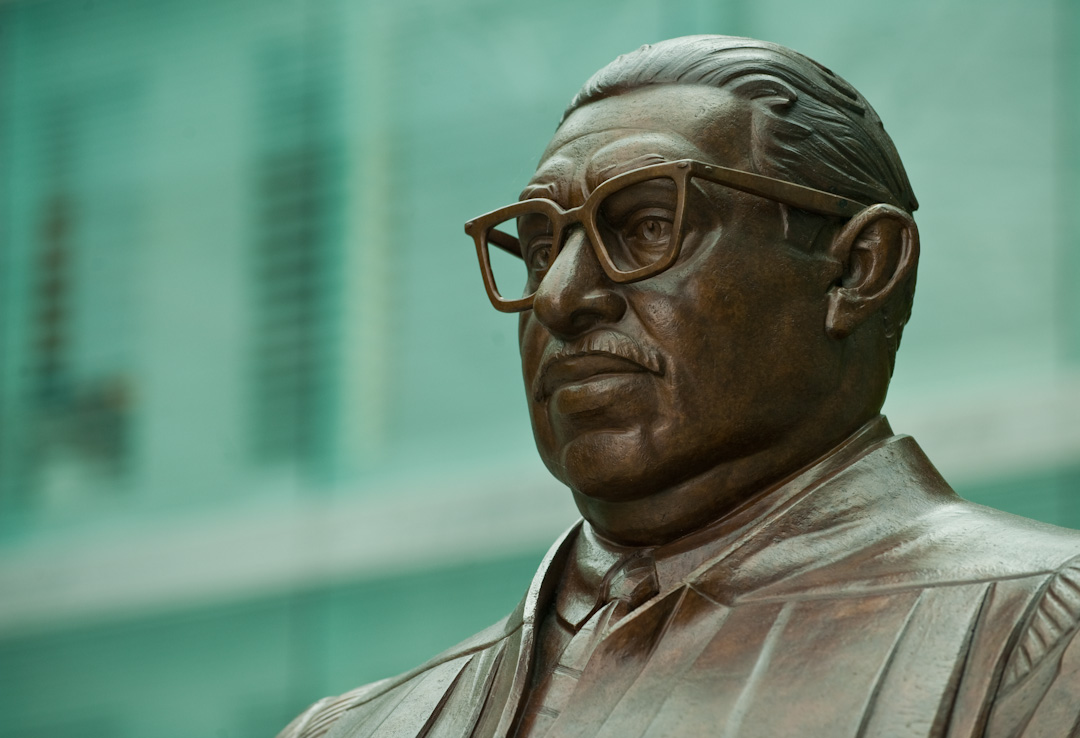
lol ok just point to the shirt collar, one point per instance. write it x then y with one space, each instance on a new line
676 562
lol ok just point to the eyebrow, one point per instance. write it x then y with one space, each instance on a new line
549 191
554 190
594 178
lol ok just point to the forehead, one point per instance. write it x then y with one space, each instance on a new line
617 134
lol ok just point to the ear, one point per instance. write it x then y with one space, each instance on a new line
878 249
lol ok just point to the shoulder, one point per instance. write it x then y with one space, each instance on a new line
890 521
989 543
320 717
968 540
454 683
931 523
921 524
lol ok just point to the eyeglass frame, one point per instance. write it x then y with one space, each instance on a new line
680 171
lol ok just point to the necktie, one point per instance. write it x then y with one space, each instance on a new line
628 585
631 584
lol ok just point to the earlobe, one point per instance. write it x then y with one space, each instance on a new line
879 248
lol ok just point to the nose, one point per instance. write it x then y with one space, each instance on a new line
575 294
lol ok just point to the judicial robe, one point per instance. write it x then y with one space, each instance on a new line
857 599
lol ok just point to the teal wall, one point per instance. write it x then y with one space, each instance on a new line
262 438
244 669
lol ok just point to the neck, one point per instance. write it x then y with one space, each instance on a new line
712 496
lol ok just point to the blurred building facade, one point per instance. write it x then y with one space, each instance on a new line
254 406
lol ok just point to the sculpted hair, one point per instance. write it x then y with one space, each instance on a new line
809 126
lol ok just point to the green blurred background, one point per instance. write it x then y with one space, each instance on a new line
262 438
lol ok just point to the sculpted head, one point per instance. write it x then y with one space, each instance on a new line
691 335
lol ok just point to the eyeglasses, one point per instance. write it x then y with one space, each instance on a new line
634 221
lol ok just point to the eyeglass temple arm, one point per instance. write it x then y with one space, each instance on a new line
505 241
800 196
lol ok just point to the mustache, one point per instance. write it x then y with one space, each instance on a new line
599 343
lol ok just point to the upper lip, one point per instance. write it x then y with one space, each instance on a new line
583 366
606 352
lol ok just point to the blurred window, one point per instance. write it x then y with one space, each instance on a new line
296 192
76 392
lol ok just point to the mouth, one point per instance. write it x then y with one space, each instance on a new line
582 368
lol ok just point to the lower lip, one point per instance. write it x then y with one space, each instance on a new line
593 392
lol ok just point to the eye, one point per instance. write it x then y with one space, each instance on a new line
538 255
649 231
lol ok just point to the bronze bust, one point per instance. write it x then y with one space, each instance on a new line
712 267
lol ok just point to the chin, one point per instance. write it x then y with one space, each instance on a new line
610 465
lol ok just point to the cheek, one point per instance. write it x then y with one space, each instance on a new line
530 344
532 339
734 333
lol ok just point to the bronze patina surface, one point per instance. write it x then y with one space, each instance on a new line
716 259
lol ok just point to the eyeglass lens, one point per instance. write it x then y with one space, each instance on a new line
635 225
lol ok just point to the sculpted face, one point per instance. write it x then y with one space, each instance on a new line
705 369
